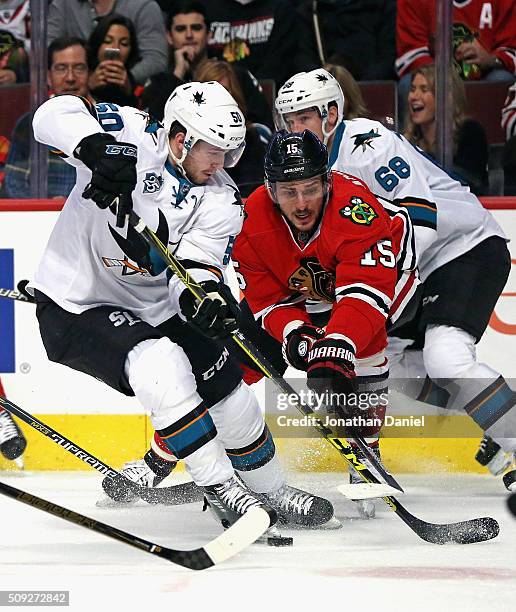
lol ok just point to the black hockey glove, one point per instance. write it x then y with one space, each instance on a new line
217 316
113 171
297 345
331 368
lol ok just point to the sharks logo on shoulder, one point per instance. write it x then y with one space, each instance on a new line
365 140
152 126
152 182
179 194
238 201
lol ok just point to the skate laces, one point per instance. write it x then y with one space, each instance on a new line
8 429
139 472
484 443
235 496
290 499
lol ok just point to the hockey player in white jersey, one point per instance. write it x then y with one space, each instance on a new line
463 257
107 306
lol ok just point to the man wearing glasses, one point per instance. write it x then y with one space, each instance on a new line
67 74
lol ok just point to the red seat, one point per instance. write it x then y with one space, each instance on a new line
484 102
14 102
380 98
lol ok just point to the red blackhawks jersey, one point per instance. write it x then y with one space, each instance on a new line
360 264
493 23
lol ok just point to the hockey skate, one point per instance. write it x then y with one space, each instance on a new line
297 507
229 500
493 457
12 440
366 507
147 472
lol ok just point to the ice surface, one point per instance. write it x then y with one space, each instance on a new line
379 565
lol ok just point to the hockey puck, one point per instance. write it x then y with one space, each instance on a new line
509 480
511 502
280 541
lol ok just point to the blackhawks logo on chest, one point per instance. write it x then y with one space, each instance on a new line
313 281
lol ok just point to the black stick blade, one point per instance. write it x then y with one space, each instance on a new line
195 559
184 493
465 532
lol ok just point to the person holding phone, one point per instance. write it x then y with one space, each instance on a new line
113 50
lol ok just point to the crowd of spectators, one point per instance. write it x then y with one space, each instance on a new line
135 52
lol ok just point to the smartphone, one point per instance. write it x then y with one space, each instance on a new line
111 54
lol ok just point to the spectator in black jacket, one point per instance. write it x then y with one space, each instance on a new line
266 36
188 34
470 152
358 34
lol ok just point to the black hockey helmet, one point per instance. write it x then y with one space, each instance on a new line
295 156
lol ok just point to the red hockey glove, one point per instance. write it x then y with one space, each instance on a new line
331 368
297 345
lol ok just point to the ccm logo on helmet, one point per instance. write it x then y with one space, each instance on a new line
115 149
331 352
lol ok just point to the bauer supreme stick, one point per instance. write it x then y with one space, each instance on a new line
247 533
178 494
464 532
17 294
241 534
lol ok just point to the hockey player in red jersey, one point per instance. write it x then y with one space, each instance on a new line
323 266
463 261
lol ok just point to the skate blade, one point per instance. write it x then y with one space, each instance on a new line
500 463
272 532
366 509
330 525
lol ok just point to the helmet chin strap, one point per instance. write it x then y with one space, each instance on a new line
325 133
178 161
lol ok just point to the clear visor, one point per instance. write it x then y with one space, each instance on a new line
279 121
296 120
306 190
205 154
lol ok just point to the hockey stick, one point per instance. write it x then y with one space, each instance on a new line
174 495
13 294
241 534
464 532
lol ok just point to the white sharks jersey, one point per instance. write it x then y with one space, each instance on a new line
88 261
395 170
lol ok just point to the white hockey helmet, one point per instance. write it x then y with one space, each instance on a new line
317 88
209 113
